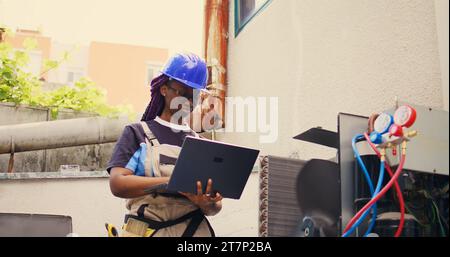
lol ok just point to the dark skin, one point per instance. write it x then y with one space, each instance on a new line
125 184
172 90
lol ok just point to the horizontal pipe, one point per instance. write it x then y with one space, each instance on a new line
60 133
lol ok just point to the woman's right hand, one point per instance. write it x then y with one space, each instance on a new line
209 202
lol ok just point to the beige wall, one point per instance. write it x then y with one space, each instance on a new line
322 57
90 204
121 69
88 201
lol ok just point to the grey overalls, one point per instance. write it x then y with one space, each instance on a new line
165 215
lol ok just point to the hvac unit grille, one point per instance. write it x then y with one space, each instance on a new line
279 213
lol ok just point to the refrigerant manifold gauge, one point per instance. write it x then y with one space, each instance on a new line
383 123
405 116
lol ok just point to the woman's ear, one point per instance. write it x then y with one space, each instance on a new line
163 90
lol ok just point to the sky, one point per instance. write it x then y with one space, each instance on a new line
173 24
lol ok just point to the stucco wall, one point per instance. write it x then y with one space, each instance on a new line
88 201
441 8
322 57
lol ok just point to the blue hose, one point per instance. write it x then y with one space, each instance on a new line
369 182
377 190
364 215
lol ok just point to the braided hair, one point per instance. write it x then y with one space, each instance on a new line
156 105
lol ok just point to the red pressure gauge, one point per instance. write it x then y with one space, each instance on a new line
405 116
396 130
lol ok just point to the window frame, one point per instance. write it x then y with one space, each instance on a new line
156 67
239 26
77 71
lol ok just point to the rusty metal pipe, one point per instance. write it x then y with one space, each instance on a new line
216 48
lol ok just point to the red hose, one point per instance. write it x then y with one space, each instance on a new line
397 189
379 195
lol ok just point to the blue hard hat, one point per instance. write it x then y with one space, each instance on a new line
188 69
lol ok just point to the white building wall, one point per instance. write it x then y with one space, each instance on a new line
441 8
323 57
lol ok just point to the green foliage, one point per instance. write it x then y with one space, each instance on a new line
83 97
16 85
21 87
54 64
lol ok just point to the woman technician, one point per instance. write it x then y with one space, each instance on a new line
146 152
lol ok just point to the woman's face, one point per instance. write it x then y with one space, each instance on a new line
178 98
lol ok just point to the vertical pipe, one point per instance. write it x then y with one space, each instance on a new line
2 34
216 50
11 157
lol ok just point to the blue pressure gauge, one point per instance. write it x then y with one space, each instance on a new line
383 123
376 138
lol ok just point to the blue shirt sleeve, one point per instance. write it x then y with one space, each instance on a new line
130 151
137 161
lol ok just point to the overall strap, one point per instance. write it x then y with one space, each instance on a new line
193 224
149 135
196 217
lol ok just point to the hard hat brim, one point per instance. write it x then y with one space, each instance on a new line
187 83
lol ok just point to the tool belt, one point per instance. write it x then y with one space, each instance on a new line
144 227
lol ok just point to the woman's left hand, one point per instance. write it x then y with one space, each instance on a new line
209 203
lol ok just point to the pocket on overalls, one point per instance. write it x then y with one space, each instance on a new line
137 228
